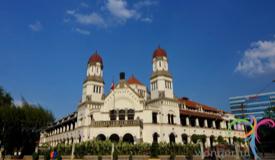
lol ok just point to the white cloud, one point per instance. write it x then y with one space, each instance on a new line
258 59
88 19
83 31
37 26
83 4
71 12
111 13
145 3
147 19
118 8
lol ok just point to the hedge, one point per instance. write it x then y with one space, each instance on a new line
97 147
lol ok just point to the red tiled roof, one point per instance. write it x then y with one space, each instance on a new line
194 104
133 80
199 114
95 58
159 52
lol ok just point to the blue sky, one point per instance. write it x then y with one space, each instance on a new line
216 49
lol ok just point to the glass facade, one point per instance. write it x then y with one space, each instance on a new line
255 105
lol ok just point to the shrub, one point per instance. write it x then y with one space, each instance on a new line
154 150
35 156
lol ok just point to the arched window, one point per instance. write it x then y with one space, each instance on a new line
184 138
121 115
114 138
128 138
155 138
101 137
113 115
172 138
131 114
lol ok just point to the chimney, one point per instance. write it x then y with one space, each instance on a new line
122 75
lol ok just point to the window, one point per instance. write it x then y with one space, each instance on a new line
154 85
92 117
170 119
168 84
155 117
99 90
131 114
121 115
155 138
113 115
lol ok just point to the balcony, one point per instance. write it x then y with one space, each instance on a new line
117 123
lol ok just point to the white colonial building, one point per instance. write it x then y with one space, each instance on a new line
131 113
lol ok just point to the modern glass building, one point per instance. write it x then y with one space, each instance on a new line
254 104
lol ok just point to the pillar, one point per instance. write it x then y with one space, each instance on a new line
187 121
205 123
197 122
213 124
208 142
188 139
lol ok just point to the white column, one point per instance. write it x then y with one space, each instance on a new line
188 139
205 123
187 121
197 122
223 125
213 124
208 142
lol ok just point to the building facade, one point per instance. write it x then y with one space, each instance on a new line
252 105
131 113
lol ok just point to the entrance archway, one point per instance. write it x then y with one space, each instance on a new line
184 138
172 138
212 139
114 138
128 138
155 137
101 137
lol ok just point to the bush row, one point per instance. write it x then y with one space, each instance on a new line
96 147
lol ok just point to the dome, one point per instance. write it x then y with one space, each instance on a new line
159 52
95 58
133 80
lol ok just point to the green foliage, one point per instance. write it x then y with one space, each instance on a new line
46 154
35 156
220 140
115 155
131 156
21 125
5 98
100 148
196 137
154 150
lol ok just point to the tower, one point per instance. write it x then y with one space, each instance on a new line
161 81
93 85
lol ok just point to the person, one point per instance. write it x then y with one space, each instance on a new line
52 155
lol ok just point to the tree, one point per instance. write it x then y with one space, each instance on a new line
20 126
5 98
